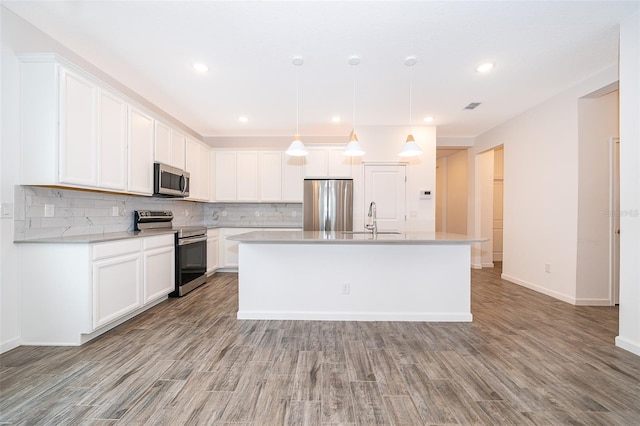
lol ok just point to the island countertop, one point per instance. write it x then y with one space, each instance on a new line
338 237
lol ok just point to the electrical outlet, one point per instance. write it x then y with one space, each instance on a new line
257 213
49 210
115 211
346 288
547 268
186 212
294 213
7 211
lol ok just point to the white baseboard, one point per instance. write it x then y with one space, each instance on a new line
593 302
534 287
628 345
356 316
476 266
488 265
10 344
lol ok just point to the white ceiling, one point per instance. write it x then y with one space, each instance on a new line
539 48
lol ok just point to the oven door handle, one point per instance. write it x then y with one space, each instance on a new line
186 241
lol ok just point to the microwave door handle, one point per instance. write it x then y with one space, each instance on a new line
183 184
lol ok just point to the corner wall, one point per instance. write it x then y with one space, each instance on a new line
629 336
541 190
598 122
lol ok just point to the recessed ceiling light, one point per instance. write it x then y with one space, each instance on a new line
428 119
335 119
486 67
243 119
200 67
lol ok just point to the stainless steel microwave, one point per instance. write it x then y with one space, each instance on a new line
169 181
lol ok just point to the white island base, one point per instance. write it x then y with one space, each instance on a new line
354 281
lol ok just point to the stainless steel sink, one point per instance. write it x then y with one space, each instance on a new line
371 233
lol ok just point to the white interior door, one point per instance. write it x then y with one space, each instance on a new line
386 186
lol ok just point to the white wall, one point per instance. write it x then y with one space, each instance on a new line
541 189
382 144
629 336
598 122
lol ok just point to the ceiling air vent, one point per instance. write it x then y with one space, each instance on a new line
472 105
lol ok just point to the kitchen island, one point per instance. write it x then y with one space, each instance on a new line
303 275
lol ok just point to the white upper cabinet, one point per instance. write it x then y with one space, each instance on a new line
197 164
170 146
292 178
247 176
225 176
258 176
78 100
178 147
112 141
327 161
140 170
163 151
78 132
270 175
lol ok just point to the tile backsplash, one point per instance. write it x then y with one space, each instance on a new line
77 212
253 214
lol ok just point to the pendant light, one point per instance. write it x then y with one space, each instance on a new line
297 148
410 147
353 148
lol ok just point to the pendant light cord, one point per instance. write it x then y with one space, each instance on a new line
354 98
410 87
297 98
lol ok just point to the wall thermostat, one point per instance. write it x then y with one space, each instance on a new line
426 194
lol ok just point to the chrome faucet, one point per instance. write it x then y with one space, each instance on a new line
374 221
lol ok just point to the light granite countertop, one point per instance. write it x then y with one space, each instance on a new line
315 237
97 238
114 236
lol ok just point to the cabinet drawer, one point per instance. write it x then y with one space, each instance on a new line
116 248
159 241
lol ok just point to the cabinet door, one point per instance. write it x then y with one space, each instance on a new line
178 146
230 248
292 178
339 165
163 144
112 141
140 171
270 175
193 167
205 173
315 164
212 254
247 177
117 287
159 273
226 172
77 160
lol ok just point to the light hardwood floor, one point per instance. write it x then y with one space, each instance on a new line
526 359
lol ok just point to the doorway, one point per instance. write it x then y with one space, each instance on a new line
614 219
386 186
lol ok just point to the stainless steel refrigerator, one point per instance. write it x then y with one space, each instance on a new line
328 205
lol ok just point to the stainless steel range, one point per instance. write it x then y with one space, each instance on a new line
191 248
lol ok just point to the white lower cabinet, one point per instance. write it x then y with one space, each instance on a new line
230 248
212 250
117 288
80 290
159 267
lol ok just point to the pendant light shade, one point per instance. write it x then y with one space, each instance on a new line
297 148
354 149
410 147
